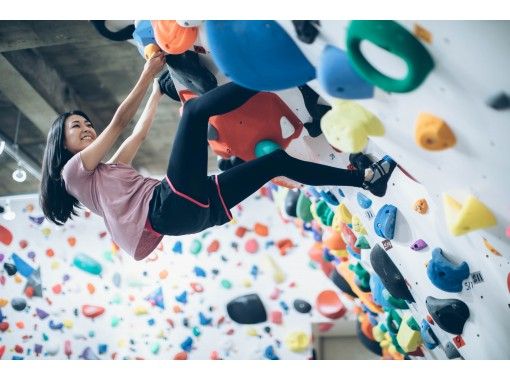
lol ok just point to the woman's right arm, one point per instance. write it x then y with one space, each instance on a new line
93 154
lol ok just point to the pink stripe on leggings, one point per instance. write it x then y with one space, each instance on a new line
185 196
227 211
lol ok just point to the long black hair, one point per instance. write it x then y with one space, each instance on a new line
57 204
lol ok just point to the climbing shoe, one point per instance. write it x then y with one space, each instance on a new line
166 86
382 170
360 161
186 68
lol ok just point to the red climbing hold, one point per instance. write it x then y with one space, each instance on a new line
213 247
240 231
92 311
508 281
329 304
5 235
183 355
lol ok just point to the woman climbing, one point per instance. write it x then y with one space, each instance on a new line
139 211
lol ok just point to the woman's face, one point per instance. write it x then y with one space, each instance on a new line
79 133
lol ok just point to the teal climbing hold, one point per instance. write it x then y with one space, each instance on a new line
363 201
226 284
362 242
87 264
444 274
264 147
196 247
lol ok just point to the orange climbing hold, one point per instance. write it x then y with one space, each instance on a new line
213 247
422 33
150 50
240 231
491 248
173 38
183 355
163 274
284 245
432 133
72 241
333 240
261 229
315 252
330 305
421 206
91 288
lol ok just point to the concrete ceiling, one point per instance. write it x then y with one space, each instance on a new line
48 67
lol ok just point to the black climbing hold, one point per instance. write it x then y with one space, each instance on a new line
212 133
18 303
451 351
291 200
341 283
187 69
390 276
10 269
449 314
306 30
247 310
302 306
371 345
499 102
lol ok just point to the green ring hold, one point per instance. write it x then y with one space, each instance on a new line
394 38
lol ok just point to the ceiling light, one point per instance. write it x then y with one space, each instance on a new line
2 146
19 175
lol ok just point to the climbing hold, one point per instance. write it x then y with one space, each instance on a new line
277 273
204 321
408 336
264 147
150 50
196 247
251 246
10 269
156 298
418 245
297 341
341 283
226 284
22 266
182 298
214 246
270 354
324 213
199 272
291 200
467 217
357 226
303 208
449 314
363 201
370 344
268 48
362 277
18 303
247 309
177 248
183 355
499 102
384 222
444 274
490 247
429 337
338 78
143 36
347 126
329 304
451 351
302 306
329 197
389 274
5 235
88 354
187 344
333 240
261 229
92 311
421 206
173 38
396 39
362 243
432 133
87 264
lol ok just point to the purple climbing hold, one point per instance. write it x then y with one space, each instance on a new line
418 245
41 313
88 354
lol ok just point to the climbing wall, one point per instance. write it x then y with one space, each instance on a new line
434 96
68 292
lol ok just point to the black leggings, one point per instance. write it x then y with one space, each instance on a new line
187 168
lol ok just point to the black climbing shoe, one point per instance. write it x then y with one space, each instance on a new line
382 172
186 68
166 85
360 161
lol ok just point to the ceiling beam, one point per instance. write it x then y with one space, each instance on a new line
18 35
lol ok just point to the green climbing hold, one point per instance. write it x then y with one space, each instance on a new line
394 38
226 284
303 208
117 299
155 348
196 331
108 256
325 214
362 243
397 303
264 147
115 321
362 278
196 247
45 337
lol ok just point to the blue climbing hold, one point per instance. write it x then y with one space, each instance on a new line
56 326
270 354
377 287
187 344
102 348
353 253
444 274
204 321
199 272
156 298
143 35
182 298
284 306
329 198
363 201
177 248
384 223
340 192
254 271
339 79
429 338
23 267
257 54
313 192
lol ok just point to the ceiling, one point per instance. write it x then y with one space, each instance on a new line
48 67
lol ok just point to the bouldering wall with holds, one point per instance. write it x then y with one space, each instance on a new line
240 291
442 222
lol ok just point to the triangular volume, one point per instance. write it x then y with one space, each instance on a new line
470 216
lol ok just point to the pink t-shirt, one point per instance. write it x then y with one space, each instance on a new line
119 194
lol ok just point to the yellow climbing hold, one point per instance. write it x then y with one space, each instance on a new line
17 279
357 226
378 333
409 338
121 343
55 264
347 126
297 341
150 50
247 283
68 323
140 310
278 275
467 217
432 133
251 332
490 247
3 302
